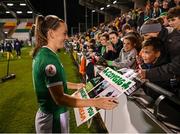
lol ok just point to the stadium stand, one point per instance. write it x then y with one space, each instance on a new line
168 96
22 31
145 113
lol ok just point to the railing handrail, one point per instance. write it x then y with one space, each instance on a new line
171 96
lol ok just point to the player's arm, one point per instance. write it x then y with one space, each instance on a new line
61 98
75 86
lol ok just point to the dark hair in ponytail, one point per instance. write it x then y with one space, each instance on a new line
42 25
40 39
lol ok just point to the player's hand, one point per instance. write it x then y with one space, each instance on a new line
106 103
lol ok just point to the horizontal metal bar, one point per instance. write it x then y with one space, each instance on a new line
171 96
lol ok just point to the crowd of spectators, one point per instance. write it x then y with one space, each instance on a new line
150 35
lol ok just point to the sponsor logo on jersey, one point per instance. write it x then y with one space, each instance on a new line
50 70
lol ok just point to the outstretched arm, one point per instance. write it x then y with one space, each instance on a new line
60 98
75 86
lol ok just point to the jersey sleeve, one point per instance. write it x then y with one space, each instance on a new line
53 74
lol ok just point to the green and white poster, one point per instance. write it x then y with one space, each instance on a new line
85 113
109 84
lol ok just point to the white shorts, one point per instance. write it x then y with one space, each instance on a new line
44 122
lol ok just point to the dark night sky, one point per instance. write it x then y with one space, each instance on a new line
55 7
75 12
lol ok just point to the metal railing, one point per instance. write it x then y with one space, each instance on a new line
164 93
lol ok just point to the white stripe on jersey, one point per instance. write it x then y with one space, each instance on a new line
54 84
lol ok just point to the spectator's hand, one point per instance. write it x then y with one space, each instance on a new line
142 73
106 103
90 50
92 55
105 63
139 61
110 48
96 58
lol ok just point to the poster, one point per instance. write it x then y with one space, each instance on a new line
130 74
108 83
116 79
85 113
104 89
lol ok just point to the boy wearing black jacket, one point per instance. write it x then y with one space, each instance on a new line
151 55
171 69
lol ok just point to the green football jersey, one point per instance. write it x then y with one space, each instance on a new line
47 72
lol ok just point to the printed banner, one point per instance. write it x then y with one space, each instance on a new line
108 83
130 74
119 81
104 89
85 113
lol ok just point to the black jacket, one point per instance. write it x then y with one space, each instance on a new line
160 62
167 71
173 67
118 48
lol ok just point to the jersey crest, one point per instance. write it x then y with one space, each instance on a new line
50 70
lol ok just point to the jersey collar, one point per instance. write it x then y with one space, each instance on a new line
49 49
